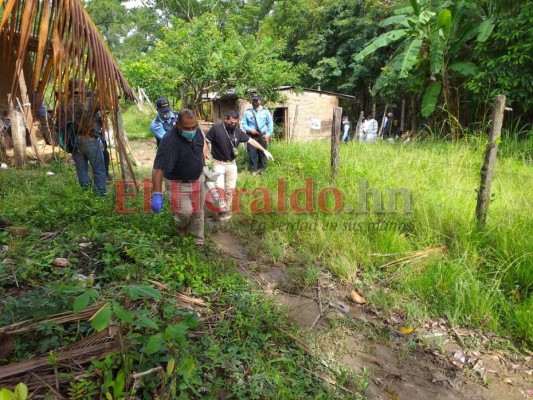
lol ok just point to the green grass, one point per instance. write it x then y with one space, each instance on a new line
137 123
237 354
484 277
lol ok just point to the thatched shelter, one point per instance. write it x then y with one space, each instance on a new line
46 45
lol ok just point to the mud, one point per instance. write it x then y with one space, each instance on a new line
400 367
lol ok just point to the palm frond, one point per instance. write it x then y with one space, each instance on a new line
54 43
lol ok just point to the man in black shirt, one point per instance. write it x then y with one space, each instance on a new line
225 138
180 159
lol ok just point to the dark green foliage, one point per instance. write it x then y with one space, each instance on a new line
506 62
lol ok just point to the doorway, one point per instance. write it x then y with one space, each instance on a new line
281 124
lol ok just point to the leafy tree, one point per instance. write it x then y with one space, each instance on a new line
127 32
434 38
199 58
323 35
146 73
506 61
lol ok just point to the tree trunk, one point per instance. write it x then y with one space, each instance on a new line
18 135
451 105
414 119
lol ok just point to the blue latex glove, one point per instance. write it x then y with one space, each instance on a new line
157 202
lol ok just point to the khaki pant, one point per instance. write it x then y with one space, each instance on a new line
227 180
187 203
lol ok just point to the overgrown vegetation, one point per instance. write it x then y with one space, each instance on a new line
129 267
138 122
437 55
478 278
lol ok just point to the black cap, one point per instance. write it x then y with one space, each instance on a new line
256 97
162 105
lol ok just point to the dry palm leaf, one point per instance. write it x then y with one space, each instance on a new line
55 42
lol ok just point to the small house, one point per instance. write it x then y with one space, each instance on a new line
300 115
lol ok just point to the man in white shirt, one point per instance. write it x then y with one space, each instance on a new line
369 129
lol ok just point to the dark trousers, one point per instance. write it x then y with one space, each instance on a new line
256 157
106 156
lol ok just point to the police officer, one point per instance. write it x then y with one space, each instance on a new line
257 123
164 121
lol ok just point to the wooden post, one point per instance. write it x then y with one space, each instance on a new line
335 141
358 126
28 117
402 117
18 135
292 135
487 170
382 121
140 97
120 137
148 101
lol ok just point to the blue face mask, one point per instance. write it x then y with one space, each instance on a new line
188 134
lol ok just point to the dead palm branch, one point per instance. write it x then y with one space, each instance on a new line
54 43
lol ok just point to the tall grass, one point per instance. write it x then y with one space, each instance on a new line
484 277
137 123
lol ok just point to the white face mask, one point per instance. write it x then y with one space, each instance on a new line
166 115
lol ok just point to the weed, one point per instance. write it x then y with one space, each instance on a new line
481 276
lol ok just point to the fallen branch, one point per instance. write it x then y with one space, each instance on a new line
327 379
190 300
298 341
147 372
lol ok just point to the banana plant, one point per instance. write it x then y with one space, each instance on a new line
432 37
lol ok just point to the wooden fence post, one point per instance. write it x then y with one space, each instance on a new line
335 141
487 170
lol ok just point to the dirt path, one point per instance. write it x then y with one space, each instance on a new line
401 366
428 363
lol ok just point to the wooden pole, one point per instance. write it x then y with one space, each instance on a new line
382 121
335 141
148 101
140 102
120 138
358 126
487 170
28 117
18 135
292 134
402 118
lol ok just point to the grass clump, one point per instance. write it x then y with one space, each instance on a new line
137 122
480 278
239 353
